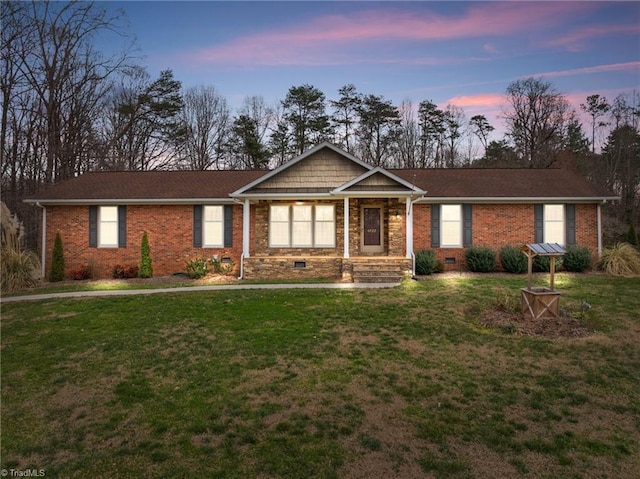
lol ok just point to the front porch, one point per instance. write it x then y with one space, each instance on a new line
364 269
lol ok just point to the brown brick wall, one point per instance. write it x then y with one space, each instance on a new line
498 225
170 232
169 229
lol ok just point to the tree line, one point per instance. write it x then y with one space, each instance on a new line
69 108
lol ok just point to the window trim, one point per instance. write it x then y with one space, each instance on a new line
459 221
102 224
547 222
221 222
291 222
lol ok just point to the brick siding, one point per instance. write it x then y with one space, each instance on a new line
170 232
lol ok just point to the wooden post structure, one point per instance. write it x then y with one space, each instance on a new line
541 302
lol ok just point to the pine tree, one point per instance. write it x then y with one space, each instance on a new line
57 260
146 269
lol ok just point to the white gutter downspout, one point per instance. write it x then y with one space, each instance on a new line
599 222
409 232
43 254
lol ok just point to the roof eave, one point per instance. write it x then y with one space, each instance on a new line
515 199
128 201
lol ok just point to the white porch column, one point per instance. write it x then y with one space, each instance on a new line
409 228
245 228
346 228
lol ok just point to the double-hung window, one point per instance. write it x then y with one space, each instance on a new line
213 227
108 226
554 224
302 226
451 226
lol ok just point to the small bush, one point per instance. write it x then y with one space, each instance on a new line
225 268
621 259
57 260
542 264
480 260
197 268
146 268
124 272
513 260
426 262
81 273
577 259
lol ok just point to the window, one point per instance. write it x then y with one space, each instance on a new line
325 226
451 226
108 227
302 226
301 231
279 226
213 226
554 224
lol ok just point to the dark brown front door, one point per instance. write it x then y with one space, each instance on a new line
372 229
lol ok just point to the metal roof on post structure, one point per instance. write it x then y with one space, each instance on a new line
543 249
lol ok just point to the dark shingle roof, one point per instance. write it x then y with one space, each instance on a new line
149 185
503 183
154 186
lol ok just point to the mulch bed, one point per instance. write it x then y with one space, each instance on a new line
519 324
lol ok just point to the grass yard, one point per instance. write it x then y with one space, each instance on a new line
405 382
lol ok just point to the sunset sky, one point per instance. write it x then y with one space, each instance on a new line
461 53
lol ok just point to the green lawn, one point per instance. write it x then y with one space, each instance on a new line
403 382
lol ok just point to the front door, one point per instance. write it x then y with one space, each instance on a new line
372 226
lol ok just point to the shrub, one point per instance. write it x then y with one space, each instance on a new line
57 260
577 259
197 268
621 259
19 268
146 268
81 273
480 260
124 272
225 268
513 260
426 262
542 264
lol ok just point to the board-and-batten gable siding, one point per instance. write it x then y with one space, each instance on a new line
324 169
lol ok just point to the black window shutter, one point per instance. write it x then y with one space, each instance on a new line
93 226
435 226
538 221
570 217
228 226
467 230
122 226
197 226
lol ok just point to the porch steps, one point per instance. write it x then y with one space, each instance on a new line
384 272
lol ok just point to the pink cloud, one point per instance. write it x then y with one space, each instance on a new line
485 100
335 39
628 66
575 41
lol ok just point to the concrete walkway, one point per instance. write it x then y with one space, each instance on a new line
188 289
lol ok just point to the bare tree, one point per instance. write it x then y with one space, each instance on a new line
535 119
481 128
206 122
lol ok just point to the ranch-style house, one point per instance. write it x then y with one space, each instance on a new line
324 213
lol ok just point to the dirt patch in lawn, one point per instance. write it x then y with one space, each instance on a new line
519 324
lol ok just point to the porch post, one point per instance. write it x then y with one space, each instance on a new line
346 227
245 228
409 228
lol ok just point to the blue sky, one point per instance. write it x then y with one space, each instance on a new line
461 53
